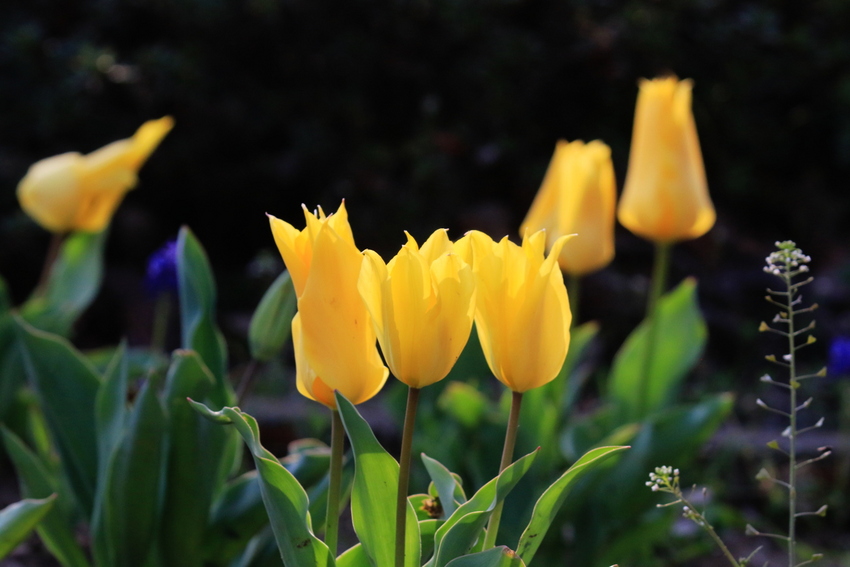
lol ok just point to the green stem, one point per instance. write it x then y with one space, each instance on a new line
53 250
659 283
332 519
710 530
792 437
574 292
507 459
404 474
161 313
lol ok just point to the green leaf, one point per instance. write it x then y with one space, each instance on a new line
460 532
465 403
496 557
66 385
196 462
197 313
354 556
110 420
72 285
373 497
18 520
318 494
446 484
681 337
37 481
271 324
237 515
285 499
552 499
427 530
12 373
131 499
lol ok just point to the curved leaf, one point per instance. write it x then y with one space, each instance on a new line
373 497
553 498
496 557
285 500
272 320
18 520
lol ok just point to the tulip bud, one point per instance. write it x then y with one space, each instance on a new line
522 312
72 191
335 343
665 196
578 196
422 307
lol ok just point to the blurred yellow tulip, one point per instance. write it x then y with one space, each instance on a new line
422 306
522 312
335 343
665 196
578 196
72 191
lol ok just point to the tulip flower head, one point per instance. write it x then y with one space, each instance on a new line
578 196
335 343
522 311
665 196
422 307
72 191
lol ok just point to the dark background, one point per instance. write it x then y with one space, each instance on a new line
425 115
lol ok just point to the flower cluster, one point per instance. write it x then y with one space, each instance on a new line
664 479
788 260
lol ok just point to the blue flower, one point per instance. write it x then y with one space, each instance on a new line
839 356
162 270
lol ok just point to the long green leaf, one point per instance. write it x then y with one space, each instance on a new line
285 499
18 520
496 557
131 504
373 497
354 557
197 313
195 462
67 386
37 481
110 420
553 498
272 320
680 340
460 532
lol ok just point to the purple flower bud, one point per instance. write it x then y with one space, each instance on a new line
839 356
162 270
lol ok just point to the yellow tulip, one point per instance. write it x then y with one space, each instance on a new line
72 191
522 311
422 307
665 196
578 196
335 343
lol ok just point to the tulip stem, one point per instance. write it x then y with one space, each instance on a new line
161 312
404 474
52 253
574 291
334 484
507 459
656 290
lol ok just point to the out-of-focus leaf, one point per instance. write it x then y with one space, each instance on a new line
373 497
195 466
37 481
18 520
285 499
496 557
466 404
271 324
459 533
66 385
199 331
318 494
110 420
553 498
680 339
131 501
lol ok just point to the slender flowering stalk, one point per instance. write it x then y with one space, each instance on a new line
789 263
666 479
